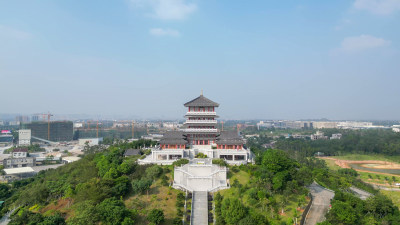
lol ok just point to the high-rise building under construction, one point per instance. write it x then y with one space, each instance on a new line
59 130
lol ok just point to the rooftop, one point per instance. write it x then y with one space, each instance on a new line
201 101
229 137
20 150
173 137
19 170
130 152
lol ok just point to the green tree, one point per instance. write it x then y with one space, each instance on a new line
126 167
277 160
5 191
121 186
156 216
86 213
342 213
128 221
153 172
55 219
112 211
233 210
140 186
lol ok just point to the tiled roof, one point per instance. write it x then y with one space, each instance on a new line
20 150
229 138
201 101
173 137
130 152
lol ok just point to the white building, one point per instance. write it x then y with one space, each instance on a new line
78 124
337 136
14 123
24 137
318 136
396 128
324 124
20 153
354 125
90 141
171 125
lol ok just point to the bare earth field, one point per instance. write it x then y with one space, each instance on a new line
382 166
377 164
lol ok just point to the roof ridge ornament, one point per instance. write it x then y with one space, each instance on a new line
201 92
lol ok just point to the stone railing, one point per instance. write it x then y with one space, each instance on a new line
306 210
201 113
200 121
200 130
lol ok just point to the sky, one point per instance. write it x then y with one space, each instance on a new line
145 58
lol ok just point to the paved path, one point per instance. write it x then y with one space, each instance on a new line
384 187
320 205
200 208
360 193
6 218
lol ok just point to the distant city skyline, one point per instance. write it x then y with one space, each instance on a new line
145 58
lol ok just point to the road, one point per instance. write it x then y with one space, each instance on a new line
2 155
363 195
320 205
200 208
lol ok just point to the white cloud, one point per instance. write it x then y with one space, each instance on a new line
380 7
166 9
9 32
362 42
164 32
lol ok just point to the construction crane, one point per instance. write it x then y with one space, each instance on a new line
48 115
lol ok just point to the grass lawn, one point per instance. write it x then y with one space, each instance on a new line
241 176
360 157
378 178
331 164
393 195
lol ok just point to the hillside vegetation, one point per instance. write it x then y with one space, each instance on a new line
100 188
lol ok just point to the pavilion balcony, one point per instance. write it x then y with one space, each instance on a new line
200 130
201 113
200 121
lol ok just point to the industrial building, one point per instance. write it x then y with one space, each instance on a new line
59 130
13 174
6 138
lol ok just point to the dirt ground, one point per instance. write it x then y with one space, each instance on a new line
383 164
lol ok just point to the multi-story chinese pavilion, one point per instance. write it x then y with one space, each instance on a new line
200 134
201 125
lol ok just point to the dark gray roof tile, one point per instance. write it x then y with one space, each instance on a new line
201 101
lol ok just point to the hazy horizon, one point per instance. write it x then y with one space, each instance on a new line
146 58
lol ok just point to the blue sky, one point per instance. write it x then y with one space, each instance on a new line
145 58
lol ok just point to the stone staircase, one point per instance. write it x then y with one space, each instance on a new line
199 208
